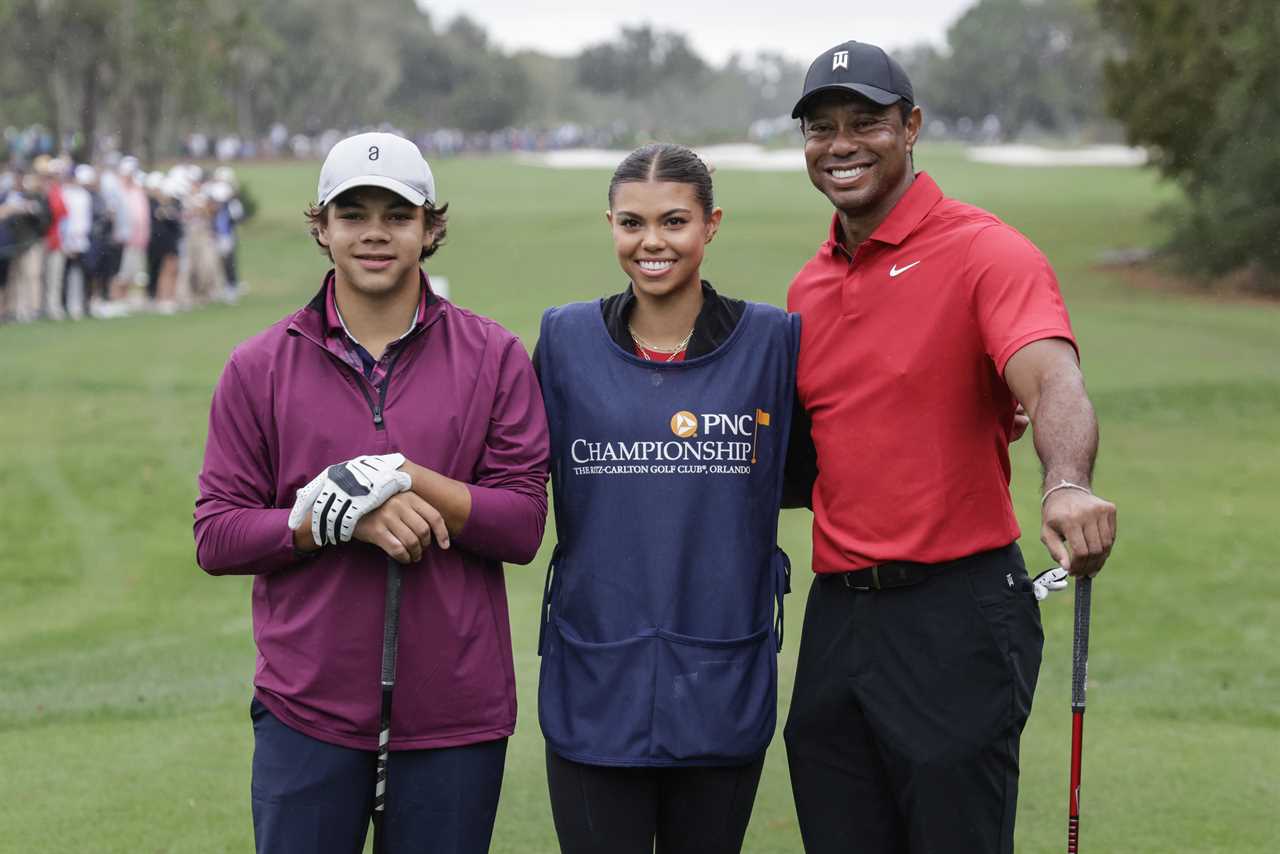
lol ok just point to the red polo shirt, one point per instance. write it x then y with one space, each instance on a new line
903 347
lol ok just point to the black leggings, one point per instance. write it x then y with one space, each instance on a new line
606 810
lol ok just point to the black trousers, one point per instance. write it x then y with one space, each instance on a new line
908 706
606 810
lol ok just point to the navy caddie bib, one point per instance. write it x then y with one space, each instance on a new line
663 605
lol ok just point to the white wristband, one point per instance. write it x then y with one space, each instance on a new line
1062 484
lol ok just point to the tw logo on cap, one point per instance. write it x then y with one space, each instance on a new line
840 59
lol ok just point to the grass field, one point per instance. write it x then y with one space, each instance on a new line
125 670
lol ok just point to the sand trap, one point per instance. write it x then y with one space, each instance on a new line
1034 155
755 158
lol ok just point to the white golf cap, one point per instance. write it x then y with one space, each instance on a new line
376 160
173 186
219 191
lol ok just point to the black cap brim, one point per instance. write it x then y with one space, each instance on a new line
871 93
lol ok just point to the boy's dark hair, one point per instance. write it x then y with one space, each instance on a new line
665 161
437 219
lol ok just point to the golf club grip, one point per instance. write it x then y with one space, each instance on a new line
1073 834
1080 643
391 624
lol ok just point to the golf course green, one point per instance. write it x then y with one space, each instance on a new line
125 671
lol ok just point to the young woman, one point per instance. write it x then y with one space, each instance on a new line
669 408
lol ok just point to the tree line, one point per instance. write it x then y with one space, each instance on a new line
150 70
1194 82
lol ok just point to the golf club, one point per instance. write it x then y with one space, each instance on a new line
1079 677
390 637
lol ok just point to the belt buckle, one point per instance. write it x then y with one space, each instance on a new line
875 580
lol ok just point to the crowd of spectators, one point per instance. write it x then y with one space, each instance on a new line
107 238
79 240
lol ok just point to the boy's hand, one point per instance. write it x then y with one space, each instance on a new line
403 527
342 494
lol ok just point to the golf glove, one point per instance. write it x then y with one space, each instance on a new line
1049 581
342 494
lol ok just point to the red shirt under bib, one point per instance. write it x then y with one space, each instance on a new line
658 355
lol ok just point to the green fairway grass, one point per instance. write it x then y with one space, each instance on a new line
125 670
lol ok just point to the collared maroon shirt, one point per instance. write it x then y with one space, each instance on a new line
340 342
904 343
461 399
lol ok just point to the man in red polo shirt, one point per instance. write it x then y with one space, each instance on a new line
926 320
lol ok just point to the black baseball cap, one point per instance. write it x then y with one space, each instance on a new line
856 67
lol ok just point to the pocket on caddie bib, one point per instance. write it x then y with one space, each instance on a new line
714 699
594 699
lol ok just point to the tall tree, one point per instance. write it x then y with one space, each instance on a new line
144 67
1197 84
1027 62
638 61
462 81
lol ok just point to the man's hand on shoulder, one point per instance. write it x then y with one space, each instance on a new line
1077 527
1021 421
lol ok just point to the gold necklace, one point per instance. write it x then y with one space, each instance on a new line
645 346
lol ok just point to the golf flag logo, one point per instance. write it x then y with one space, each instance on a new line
684 424
840 59
762 420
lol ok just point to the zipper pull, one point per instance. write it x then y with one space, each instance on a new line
377 415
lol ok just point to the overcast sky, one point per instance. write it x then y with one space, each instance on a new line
716 28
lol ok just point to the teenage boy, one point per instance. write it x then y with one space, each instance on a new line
924 321
377 420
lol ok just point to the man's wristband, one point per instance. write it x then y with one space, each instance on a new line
1062 484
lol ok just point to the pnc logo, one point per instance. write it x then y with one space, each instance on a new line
684 424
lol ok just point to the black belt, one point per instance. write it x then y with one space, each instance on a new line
904 573
886 576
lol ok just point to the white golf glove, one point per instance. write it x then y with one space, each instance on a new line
342 494
1049 581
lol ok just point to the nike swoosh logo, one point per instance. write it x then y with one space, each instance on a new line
895 272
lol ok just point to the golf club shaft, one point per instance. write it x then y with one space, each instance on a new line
1073 816
1079 678
390 638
